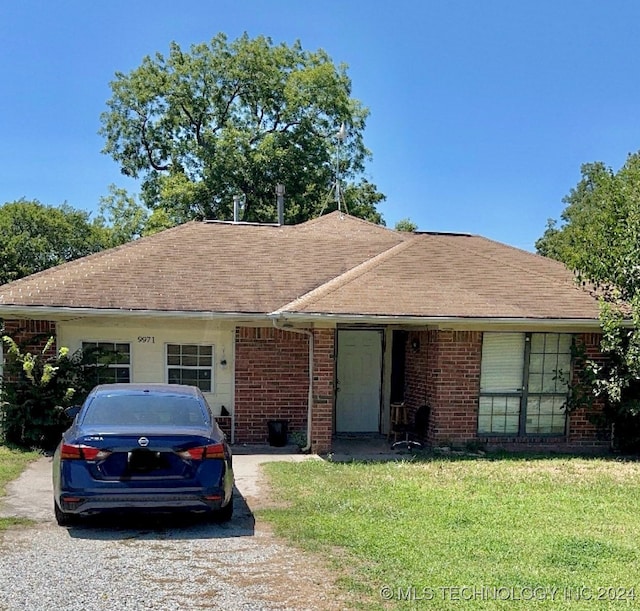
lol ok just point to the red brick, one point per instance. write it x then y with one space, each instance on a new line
272 383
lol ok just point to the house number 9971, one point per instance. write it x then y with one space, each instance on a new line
146 339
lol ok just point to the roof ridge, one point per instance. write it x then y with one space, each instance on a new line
339 281
351 217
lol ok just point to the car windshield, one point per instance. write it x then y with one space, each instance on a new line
148 410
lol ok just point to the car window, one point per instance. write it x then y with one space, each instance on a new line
150 410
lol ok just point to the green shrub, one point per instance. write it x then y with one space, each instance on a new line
36 388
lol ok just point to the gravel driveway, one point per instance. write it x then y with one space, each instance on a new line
156 564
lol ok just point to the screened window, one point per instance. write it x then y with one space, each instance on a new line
523 383
112 361
190 364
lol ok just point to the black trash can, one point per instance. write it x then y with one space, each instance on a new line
277 433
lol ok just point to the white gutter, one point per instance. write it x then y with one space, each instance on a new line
435 320
68 311
309 334
35 312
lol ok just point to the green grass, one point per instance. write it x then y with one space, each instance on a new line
422 527
12 463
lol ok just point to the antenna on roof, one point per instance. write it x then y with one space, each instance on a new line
336 187
340 137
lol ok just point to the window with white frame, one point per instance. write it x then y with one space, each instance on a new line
523 383
112 361
190 364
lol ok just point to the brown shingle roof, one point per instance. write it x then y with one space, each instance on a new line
335 264
219 267
454 276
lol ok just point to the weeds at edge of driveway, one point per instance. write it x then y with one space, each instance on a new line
12 463
513 522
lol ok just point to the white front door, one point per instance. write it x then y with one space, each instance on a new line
359 381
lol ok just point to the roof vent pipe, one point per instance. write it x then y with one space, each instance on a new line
236 208
280 200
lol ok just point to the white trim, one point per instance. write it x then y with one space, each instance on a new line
457 321
68 313
232 409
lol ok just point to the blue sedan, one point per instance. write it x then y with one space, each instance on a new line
142 447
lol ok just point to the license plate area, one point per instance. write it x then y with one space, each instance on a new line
144 462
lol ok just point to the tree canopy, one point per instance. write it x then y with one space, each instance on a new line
599 239
406 225
34 237
123 215
124 219
234 119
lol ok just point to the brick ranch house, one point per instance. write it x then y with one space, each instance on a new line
326 323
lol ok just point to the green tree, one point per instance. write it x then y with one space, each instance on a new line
406 225
123 215
599 239
34 237
599 224
600 235
552 241
33 396
236 118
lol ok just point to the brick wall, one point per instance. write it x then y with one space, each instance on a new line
30 335
581 431
417 391
272 383
323 390
443 370
454 380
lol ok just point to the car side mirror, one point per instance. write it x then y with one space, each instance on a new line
72 411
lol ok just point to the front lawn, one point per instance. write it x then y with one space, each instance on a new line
446 533
12 463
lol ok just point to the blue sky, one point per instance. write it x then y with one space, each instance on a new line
481 111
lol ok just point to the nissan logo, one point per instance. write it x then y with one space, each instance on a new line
143 442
